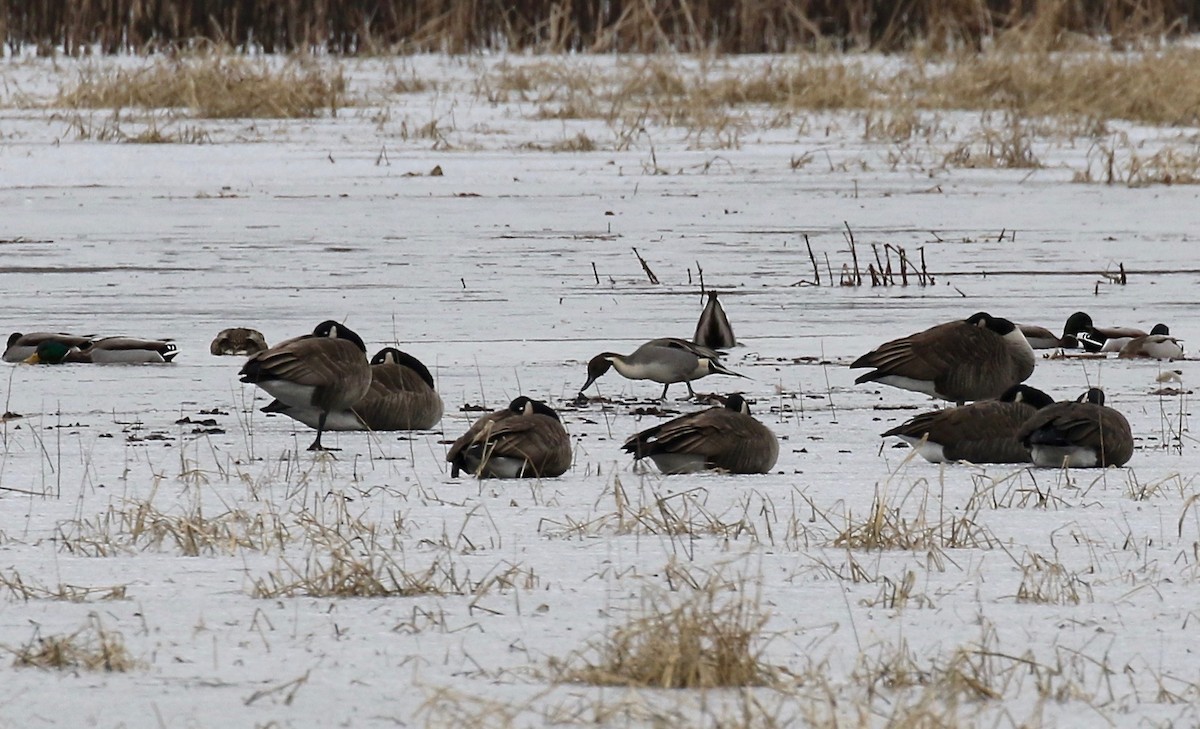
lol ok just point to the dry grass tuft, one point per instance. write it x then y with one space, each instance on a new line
22 588
885 527
91 648
1044 582
708 637
343 571
213 86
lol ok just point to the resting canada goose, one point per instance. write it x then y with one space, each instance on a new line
524 440
238 340
326 370
982 432
973 359
1158 344
1080 434
713 330
401 397
22 346
724 438
667 360
1098 339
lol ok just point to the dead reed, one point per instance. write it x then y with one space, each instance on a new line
707 637
728 26
91 648
213 86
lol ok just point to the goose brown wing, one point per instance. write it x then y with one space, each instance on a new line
921 356
399 399
540 440
335 368
476 433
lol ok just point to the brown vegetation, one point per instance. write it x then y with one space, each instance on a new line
728 26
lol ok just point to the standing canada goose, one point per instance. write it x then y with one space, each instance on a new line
326 370
982 432
713 330
1098 339
524 440
1042 338
1158 344
22 346
1080 434
53 351
130 350
973 359
238 340
667 360
722 438
401 397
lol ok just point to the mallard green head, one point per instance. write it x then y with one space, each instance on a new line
49 352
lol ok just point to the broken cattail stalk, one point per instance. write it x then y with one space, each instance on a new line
646 267
926 279
813 259
874 276
595 273
1121 266
700 273
853 254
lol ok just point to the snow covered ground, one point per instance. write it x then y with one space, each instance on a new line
1054 598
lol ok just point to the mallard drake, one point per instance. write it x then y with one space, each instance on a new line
238 341
1042 338
713 329
1158 344
401 397
326 370
130 350
22 346
725 438
1098 339
982 432
524 440
973 359
53 351
667 361
1081 434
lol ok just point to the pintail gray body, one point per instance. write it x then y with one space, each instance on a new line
667 361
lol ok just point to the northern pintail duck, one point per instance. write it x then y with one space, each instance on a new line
1098 339
713 329
326 370
401 397
1158 344
22 346
524 440
667 360
973 359
725 438
982 432
238 341
1081 434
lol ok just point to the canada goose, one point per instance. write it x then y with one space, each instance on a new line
526 439
401 397
21 347
326 370
1098 339
53 351
238 340
982 432
724 438
1042 338
667 360
1158 344
1080 434
130 350
973 359
713 330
